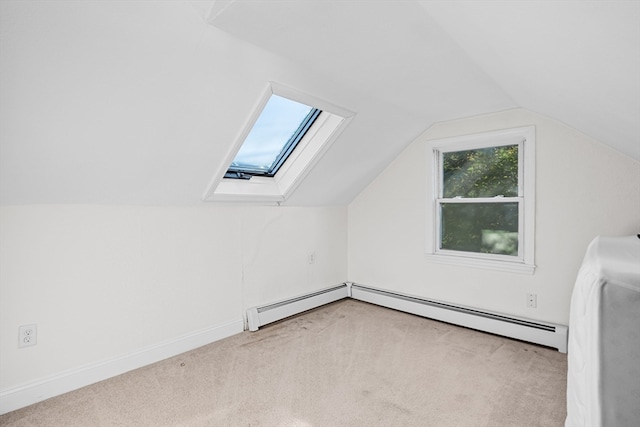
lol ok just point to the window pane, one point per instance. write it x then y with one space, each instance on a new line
490 228
485 172
277 123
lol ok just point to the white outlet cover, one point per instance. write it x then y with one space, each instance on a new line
27 335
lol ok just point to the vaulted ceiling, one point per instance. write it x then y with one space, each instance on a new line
139 102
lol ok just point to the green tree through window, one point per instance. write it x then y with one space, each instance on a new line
468 222
485 172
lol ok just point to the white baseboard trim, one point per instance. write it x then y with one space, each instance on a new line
37 391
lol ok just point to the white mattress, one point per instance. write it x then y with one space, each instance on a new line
603 380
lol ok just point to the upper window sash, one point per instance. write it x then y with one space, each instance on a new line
439 163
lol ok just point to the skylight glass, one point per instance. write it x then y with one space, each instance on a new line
279 128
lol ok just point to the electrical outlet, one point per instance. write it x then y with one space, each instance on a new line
28 335
532 300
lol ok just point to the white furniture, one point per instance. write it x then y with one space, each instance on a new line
603 380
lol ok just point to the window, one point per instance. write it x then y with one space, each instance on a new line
483 200
273 137
286 134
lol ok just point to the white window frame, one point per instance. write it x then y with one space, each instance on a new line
275 190
524 137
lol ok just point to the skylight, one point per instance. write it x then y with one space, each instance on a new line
285 136
275 134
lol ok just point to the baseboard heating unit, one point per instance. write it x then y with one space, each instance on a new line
260 316
547 334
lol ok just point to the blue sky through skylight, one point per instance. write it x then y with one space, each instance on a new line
278 121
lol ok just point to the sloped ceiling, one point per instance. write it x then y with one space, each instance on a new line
575 61
138 102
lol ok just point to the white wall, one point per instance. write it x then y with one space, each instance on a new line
276 247
583 189
103 282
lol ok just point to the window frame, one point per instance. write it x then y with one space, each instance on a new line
524 137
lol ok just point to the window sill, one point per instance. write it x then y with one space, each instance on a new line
508 266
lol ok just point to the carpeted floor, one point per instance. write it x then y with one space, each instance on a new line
345 364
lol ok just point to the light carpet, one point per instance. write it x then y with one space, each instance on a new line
344 364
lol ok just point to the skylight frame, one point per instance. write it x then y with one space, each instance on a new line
317 140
